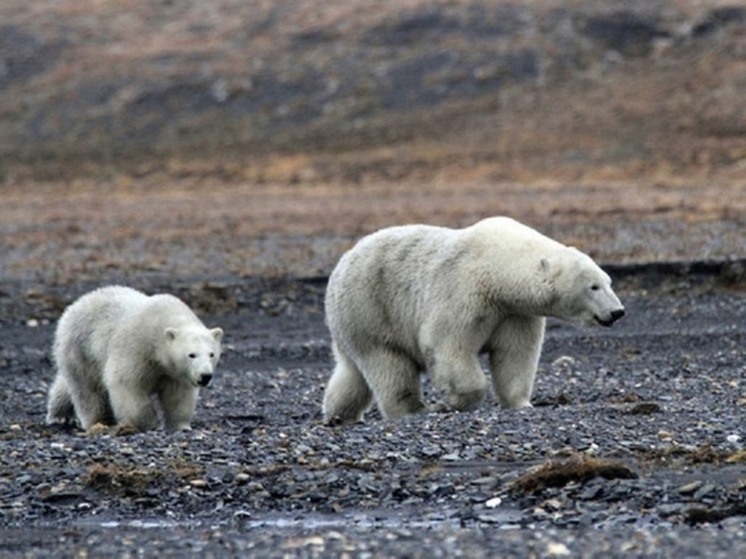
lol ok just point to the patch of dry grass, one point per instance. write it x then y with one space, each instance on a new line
578 468
116 479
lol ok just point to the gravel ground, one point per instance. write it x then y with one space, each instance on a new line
635 446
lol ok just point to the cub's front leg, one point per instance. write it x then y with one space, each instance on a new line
178 401
130 398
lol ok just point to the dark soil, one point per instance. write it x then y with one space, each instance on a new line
634 446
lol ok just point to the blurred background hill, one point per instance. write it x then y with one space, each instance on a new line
373 112
541 86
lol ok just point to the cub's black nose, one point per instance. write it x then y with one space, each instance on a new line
617 314
204 380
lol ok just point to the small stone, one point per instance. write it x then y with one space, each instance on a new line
198 483
703 492
552 504
591 491
670 509
564 361
487 480
689 488
557 549
493 503
242 478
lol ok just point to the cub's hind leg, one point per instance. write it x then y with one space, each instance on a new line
60 407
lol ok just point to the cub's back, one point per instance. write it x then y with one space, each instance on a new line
89 323
164 310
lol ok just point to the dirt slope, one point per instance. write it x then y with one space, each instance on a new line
501 89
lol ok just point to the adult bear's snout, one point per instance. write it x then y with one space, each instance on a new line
611 319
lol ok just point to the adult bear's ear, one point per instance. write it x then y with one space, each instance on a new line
217 333
170 334
550 268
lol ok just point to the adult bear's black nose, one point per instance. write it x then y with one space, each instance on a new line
617 314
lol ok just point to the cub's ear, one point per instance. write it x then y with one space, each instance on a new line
170 334
217 333
544 265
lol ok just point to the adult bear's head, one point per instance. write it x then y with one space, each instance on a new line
581 290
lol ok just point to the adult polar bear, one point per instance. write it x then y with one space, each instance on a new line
418 297
116 348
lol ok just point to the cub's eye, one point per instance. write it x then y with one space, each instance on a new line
595 287
212 355
192 356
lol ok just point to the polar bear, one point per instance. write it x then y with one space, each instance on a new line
118 350
417 297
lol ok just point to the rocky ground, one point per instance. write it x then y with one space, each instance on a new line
635 445
229 152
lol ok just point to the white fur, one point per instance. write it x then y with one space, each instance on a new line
117 350
414 298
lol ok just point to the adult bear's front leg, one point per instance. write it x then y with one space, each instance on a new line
514 357
456 371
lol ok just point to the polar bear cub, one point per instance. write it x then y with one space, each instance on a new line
118 351
413 298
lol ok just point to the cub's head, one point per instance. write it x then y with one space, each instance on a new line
193 353
581 291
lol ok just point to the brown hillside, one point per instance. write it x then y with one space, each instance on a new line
151 136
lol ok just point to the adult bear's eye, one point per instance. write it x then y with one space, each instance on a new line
192 356
595 287
212 355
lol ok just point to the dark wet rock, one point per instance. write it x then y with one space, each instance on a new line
645 408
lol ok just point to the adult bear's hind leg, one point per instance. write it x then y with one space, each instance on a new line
347 394
395 381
